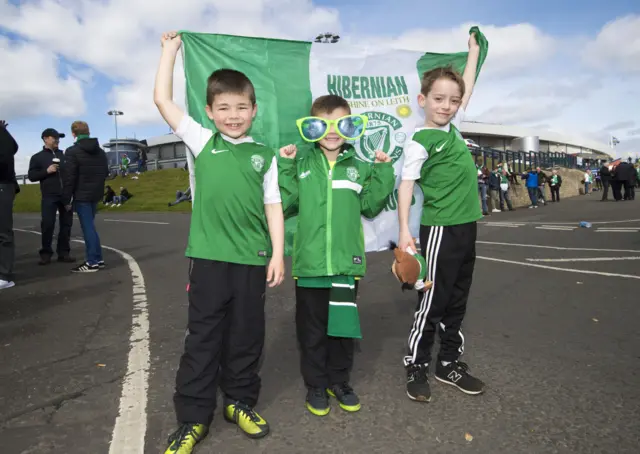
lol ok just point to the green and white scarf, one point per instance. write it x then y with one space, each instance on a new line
344 320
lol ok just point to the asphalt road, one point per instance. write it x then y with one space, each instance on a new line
555 338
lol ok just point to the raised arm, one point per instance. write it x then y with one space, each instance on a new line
163 91
469 75
378 186
288 180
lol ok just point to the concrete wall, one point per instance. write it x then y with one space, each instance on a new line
571 187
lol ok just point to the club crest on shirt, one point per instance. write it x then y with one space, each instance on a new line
352 174
257 162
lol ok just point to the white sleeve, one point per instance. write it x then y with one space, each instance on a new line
457 120
414 157
270 185
193 134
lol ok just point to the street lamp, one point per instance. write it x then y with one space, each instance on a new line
116 114
327 38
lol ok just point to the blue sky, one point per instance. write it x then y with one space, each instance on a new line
558 17
115 73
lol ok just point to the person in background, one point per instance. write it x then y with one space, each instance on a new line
124 164
142 160
504 189
483 186
554 183
182 197
494 189
531 178
542 179
627 176
108 195
87 170
587 182
123 197
605 177
8 190
48 167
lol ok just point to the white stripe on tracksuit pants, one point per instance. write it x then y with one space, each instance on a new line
450 252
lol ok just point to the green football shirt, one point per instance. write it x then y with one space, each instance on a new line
439 160
234 180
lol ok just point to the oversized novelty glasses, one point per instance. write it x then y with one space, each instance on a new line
350 127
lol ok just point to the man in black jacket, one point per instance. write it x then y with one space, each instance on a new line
605 177
86 170
47 167
8 186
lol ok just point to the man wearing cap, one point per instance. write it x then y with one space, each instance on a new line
47 167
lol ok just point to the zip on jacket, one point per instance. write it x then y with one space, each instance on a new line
329 203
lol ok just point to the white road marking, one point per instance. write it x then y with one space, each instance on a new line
131 423
575 222
493 224
616 231
565 229
555 268
558 248
135 222
585 259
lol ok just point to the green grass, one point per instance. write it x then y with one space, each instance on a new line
151 192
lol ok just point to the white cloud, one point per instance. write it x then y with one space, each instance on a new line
617 47
522 82
121 38
619 125
510 48
30 85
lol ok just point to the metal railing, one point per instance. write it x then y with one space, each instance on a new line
519 161
155 164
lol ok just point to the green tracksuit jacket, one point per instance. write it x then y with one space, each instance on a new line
329 239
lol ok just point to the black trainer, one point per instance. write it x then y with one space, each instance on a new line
85 268
318 401
457 374
418 383
346 397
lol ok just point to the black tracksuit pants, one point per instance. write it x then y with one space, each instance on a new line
50 206
224 341
451 254
324 360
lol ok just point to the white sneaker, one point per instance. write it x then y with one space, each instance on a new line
495 210
6 284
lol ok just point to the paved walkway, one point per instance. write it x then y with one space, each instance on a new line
552 327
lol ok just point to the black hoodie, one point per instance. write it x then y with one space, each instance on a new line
86 169
8 148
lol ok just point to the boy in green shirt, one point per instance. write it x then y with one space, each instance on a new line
438 159
330 189
236 207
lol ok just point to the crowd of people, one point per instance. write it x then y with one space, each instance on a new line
619 175
70 181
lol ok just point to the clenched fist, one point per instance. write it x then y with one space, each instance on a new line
381 157
288 151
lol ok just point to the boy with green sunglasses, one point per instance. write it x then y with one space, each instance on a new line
330 189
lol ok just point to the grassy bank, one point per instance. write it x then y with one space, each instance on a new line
151 192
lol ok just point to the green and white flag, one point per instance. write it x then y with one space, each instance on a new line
382 83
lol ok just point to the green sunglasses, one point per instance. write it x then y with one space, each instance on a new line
349 127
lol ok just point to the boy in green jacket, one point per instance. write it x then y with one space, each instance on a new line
329 189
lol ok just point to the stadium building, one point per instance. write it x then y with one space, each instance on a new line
481 135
